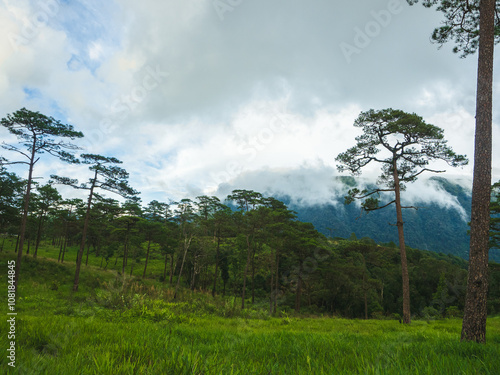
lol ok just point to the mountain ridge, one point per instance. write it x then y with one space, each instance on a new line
435 227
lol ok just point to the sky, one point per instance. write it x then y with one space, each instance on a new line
205 96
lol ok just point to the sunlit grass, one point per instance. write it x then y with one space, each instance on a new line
114 325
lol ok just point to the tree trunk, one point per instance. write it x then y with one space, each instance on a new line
187 243
165 268
124 260
475 312
38 235
60 251
249 254
193 276
253 276
402 248
84 235
271 294
17 243
277 281
298 293
147 258
365 297
64 249
171 276
25 214
216 265
87 255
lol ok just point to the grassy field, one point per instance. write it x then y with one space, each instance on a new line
114 325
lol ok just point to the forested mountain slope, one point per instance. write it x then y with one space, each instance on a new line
431 227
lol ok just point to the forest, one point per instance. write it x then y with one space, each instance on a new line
249 246
187 264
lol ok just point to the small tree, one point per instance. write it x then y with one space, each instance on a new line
409 144
37 134
106 177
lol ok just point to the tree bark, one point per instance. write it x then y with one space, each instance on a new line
25 214
402 248
87 255
249 254
17 243
165 268
475 312
84 235
171 276
38 235
298 293
187 243
216 265
147 258
277 281
64 249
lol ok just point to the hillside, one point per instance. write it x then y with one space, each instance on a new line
432 227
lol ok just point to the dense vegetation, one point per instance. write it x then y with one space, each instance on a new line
257 251
188 264
432 227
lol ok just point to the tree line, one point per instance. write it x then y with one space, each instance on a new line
253 245
250 247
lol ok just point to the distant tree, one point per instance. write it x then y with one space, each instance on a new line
408 145
185 215
495 217
11 192
47 199
249 223
152 231
106 177
37 134
157 211
475 25
216 218
69 219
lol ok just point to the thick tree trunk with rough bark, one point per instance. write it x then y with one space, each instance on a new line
474 322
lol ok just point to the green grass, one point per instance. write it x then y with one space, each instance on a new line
117 326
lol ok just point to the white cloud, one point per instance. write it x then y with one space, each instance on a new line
265 89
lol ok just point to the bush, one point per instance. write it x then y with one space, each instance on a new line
430 312
453 312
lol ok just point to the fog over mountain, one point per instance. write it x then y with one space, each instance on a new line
320 185
316 193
